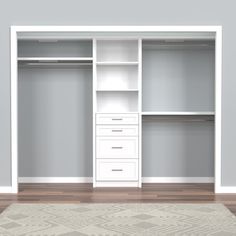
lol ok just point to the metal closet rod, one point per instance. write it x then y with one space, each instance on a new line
181 119
55 64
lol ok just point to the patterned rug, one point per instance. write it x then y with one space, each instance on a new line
117 219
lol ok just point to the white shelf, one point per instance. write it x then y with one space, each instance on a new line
117 63
117 112
55 59
117 90
178 113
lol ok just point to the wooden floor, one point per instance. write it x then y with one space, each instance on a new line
84 193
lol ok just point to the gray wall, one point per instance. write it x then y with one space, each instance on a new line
178 79
178 147
153 12
55 117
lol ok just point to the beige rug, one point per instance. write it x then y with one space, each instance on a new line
117 219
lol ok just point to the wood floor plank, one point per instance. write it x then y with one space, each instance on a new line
149 193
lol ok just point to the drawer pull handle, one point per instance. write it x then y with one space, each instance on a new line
117 170
116 147
117 130
117 119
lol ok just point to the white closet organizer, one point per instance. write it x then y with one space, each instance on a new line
155 107
117 84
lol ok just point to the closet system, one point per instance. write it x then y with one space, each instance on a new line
148 104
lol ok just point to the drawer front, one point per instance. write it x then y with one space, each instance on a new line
112 147
117 170
118 130
116 119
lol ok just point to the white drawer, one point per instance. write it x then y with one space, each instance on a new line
116 119
117 130
114 147
117 170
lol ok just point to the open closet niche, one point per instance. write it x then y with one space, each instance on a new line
55 107
178 105
116 108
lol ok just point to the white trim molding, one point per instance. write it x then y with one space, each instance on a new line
14 112
117 28
178 179
226 189
90 179
218 109
55 179
216 30
6 189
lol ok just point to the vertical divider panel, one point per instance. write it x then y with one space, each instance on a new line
94 108
14 112
218 113
140 109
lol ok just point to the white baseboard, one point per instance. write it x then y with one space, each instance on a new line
90 180
221 189
116 184
6 189
178 179
55 179
226 189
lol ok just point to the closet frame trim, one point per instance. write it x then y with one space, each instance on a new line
217 30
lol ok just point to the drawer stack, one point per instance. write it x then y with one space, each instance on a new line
117 149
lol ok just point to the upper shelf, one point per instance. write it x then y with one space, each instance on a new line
117 90
117 63
53 59
41 61
75 35
178 113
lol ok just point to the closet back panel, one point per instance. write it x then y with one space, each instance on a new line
55 122
178 78
62 48
118 102
177 148
117 50
117 77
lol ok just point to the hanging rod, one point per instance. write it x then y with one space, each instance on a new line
55 61
54 64
179 118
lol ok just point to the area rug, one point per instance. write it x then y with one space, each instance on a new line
117 219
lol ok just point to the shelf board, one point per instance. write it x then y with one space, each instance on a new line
117 90
55 59
117 63
178 113
117 112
